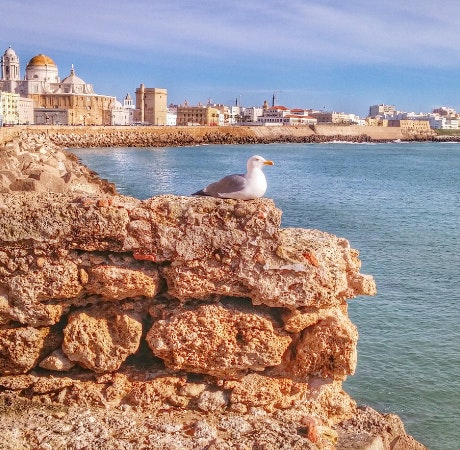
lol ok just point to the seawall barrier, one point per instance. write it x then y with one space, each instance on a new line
147 136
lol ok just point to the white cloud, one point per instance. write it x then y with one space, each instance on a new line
359 31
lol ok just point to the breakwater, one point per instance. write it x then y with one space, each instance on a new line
150 136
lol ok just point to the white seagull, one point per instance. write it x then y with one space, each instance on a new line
242 187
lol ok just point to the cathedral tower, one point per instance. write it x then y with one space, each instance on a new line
10 66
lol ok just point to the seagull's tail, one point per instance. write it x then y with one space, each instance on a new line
202 193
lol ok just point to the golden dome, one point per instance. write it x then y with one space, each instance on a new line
41 60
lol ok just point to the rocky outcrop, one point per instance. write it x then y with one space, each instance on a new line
177 322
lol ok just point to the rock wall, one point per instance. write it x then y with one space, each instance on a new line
148 136
197 321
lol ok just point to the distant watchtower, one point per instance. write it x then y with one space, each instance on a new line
151 105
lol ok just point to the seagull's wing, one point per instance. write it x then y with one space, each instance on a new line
227 185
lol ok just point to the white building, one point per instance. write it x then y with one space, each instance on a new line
381 110
437 121
280 115
171 116
234 115
26 111
10 108
250 115
123 114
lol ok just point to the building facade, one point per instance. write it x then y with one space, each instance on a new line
250 115
151 106
26 111
415 126
282 116
338 118
43 85
9 108
381 110
197 115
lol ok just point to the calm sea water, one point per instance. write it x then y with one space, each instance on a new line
399 204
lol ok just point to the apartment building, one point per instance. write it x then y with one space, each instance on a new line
381 110
9 108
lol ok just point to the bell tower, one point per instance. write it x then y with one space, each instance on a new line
10 66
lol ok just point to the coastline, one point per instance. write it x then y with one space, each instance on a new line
152 136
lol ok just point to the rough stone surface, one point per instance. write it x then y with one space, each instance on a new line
21 349
173 322
57 361
218 340
101 338
327 349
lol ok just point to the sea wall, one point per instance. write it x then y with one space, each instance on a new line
174 322
149 136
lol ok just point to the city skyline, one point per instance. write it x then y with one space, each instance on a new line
341 57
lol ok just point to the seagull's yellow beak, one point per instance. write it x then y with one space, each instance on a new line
269 163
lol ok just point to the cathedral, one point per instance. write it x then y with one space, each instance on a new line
70 101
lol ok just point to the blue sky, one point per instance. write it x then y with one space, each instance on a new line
338 55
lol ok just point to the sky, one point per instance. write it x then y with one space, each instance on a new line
332 54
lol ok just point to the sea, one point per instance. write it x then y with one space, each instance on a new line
399 205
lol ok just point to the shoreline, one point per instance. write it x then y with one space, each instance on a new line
151 136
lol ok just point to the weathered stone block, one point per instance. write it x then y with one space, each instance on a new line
218 340
22 348
101 338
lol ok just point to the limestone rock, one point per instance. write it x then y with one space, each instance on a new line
101 339
22 348
218 340
387 427
299 319
210 401
51 280
35 164
57 361
224 247
154 393
269 393
117 283
327 349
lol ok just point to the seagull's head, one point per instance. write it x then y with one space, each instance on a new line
258 162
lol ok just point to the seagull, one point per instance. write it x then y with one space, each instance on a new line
242 187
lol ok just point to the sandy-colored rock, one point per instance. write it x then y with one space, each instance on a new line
118 283
57 361
22 348
299 319
52 280
388 427
218 340
327 349
269 393
221 247
155 393
212 400
101 338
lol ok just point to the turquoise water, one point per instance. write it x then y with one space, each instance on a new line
399 204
